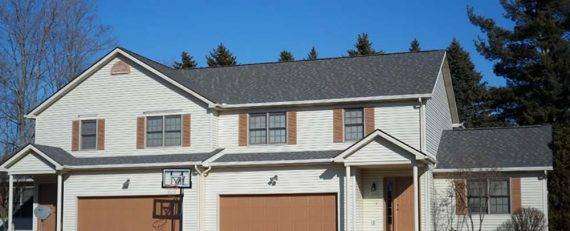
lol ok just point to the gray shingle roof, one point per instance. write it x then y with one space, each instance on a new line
527 146
331 78
65 158
278 156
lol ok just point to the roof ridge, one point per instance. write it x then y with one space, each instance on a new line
498 128
319 59
278 62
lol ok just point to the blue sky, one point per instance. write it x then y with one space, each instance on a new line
256 31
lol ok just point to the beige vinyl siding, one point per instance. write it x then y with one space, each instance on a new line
438 116
291 180
32 163
315 128
106 183
120 99
380 150
532 193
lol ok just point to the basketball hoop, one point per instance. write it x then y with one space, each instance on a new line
176 178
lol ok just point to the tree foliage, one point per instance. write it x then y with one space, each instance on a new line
43 45
186 61
415 46
534 58
286 56
363 46
313 54
220 57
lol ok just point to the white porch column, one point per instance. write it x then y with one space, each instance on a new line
10 202
59 200
346 190
416 198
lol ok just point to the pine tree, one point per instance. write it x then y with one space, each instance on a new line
363 46
469 90
221 56
286 56
186 61
313 54
534 58
415 46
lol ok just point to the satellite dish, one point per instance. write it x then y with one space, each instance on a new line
42 212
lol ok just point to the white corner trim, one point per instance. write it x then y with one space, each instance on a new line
8 163
68 87
323 101
507 169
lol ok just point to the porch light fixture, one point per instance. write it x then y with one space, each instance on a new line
126 184
272 180
373 187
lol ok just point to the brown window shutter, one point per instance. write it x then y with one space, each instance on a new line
101 134
242 130
338 126
515 194
369 125
140 132
460 197
75 135
186 121
292 127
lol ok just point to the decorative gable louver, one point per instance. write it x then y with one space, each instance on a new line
120 68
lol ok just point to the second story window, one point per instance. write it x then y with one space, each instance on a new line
353 124
163 131
267 128
88 134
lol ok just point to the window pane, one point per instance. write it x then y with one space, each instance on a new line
258 136
257 121
499 188
88 134
154 124
499 205
88 127
477 199
172 138
499 193
353 124
172 123
277 120
88 141
277 135
478 205
154 139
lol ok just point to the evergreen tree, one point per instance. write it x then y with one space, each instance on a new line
312 54
534 58
286 56
221 56
415 46
186 61
467 85
363 46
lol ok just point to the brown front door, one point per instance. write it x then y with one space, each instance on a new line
399 198
47 196
295 212
144 213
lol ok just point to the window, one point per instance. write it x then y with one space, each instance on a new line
267 128
88 134
353 124
489 196
163 131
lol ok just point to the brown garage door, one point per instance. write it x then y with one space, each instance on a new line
315 212
128 213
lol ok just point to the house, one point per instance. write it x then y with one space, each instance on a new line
350 143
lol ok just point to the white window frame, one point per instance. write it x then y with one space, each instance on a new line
267 128
81 148
163 130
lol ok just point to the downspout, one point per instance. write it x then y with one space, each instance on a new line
202 177
423 148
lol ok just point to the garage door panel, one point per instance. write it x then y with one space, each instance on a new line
126 213
298 212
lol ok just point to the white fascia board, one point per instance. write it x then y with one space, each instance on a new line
278 162
507 169
61 92
119 166
322 101
24 151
